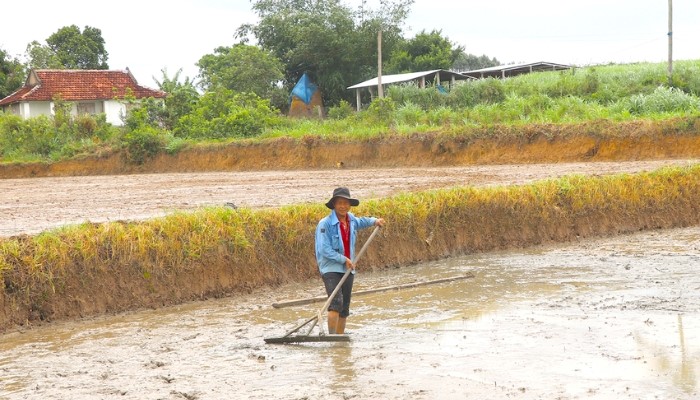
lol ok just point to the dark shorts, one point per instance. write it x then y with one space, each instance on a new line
341 301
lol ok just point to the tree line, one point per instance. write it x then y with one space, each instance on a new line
335 44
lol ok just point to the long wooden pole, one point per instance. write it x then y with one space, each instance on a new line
300 302
670 43
380 88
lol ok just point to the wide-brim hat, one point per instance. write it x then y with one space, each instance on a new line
344 193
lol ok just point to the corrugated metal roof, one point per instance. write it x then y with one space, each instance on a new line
396 78
515 69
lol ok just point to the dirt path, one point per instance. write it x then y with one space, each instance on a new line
36 204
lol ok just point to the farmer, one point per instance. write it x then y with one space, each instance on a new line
335 250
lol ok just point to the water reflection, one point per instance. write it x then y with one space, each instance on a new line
342 372
680 367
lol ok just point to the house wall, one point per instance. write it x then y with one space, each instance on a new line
37 108
114 110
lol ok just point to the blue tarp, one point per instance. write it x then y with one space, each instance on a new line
304 89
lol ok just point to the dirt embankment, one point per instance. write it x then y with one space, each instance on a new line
94 270
546 143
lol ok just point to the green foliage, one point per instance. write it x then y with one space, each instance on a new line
426 51
662 100
11 74
409 114
427 98
381 111
146 113
41 57
241 68
143 142
342 111
45 137
181 99
609 92
225 114
79 50
331 42
470 62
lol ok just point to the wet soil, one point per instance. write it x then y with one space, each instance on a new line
32 205
613 318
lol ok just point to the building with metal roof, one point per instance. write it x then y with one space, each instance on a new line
505 71
436 76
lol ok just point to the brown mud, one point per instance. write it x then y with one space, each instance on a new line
610 318
32 205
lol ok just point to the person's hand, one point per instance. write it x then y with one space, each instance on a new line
349 264
379 222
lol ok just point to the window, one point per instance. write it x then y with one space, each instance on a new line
86 108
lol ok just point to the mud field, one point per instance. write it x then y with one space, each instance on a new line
614 318
35 204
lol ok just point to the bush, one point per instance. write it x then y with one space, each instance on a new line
143 143
409 114
342 111
226 114
381 110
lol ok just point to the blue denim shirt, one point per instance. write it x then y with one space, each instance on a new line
329 244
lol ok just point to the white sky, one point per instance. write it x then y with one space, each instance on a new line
150 35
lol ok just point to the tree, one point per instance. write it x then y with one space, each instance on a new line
181 100
334 44
243 68
78 50
11 74
41 57
426 51
470 62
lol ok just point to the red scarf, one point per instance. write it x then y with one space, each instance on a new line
345 235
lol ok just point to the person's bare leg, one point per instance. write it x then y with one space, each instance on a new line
333 317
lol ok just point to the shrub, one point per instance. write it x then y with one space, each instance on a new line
381 110
225 114
409 114
143 143
342 111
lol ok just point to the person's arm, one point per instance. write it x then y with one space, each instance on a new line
367 222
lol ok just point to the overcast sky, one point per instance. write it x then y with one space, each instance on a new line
150 35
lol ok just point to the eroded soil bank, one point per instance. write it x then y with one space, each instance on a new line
614 318
543 143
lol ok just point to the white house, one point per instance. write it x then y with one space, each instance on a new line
88 92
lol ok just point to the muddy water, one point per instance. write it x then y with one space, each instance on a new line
615 318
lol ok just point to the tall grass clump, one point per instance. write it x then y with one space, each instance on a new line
662 100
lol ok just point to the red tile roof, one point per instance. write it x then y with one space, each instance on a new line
76 85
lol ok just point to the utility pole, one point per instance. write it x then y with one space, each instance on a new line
380 88
670 43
